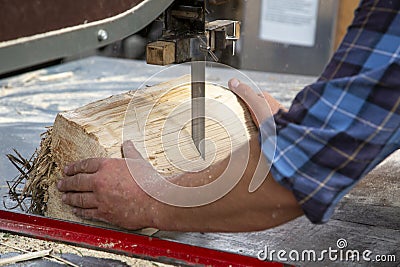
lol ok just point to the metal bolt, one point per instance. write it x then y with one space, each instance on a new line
102 35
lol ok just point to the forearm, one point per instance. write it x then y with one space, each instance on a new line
110 190
239 210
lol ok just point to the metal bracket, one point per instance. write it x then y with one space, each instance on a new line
222 33
219 34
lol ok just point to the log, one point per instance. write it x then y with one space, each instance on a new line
156 119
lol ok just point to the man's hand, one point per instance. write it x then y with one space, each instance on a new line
260 105
104 190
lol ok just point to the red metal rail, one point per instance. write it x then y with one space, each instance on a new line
121 242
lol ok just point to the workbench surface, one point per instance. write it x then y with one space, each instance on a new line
368 217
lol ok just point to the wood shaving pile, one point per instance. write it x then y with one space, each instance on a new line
31 244
35 176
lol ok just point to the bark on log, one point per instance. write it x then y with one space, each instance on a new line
98 130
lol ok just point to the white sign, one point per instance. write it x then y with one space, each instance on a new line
289 21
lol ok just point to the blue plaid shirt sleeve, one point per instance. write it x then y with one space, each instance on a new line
343 125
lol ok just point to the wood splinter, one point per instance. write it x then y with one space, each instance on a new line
26 257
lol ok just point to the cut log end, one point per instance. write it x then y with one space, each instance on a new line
156 119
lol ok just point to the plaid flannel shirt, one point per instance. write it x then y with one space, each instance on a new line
347 122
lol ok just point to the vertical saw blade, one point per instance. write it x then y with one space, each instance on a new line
198 105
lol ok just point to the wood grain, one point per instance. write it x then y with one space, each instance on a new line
157 120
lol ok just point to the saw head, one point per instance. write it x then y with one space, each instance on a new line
189 36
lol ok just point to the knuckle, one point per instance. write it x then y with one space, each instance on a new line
84 165
65 184
75 181
97 183
71 199
80 201
241 90
66 198
76 167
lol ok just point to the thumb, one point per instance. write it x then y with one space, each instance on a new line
138 167
256 103
129 150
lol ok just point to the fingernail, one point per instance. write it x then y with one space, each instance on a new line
64 197
59 184
66 169
235 83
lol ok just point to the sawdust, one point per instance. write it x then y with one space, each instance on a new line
31 244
